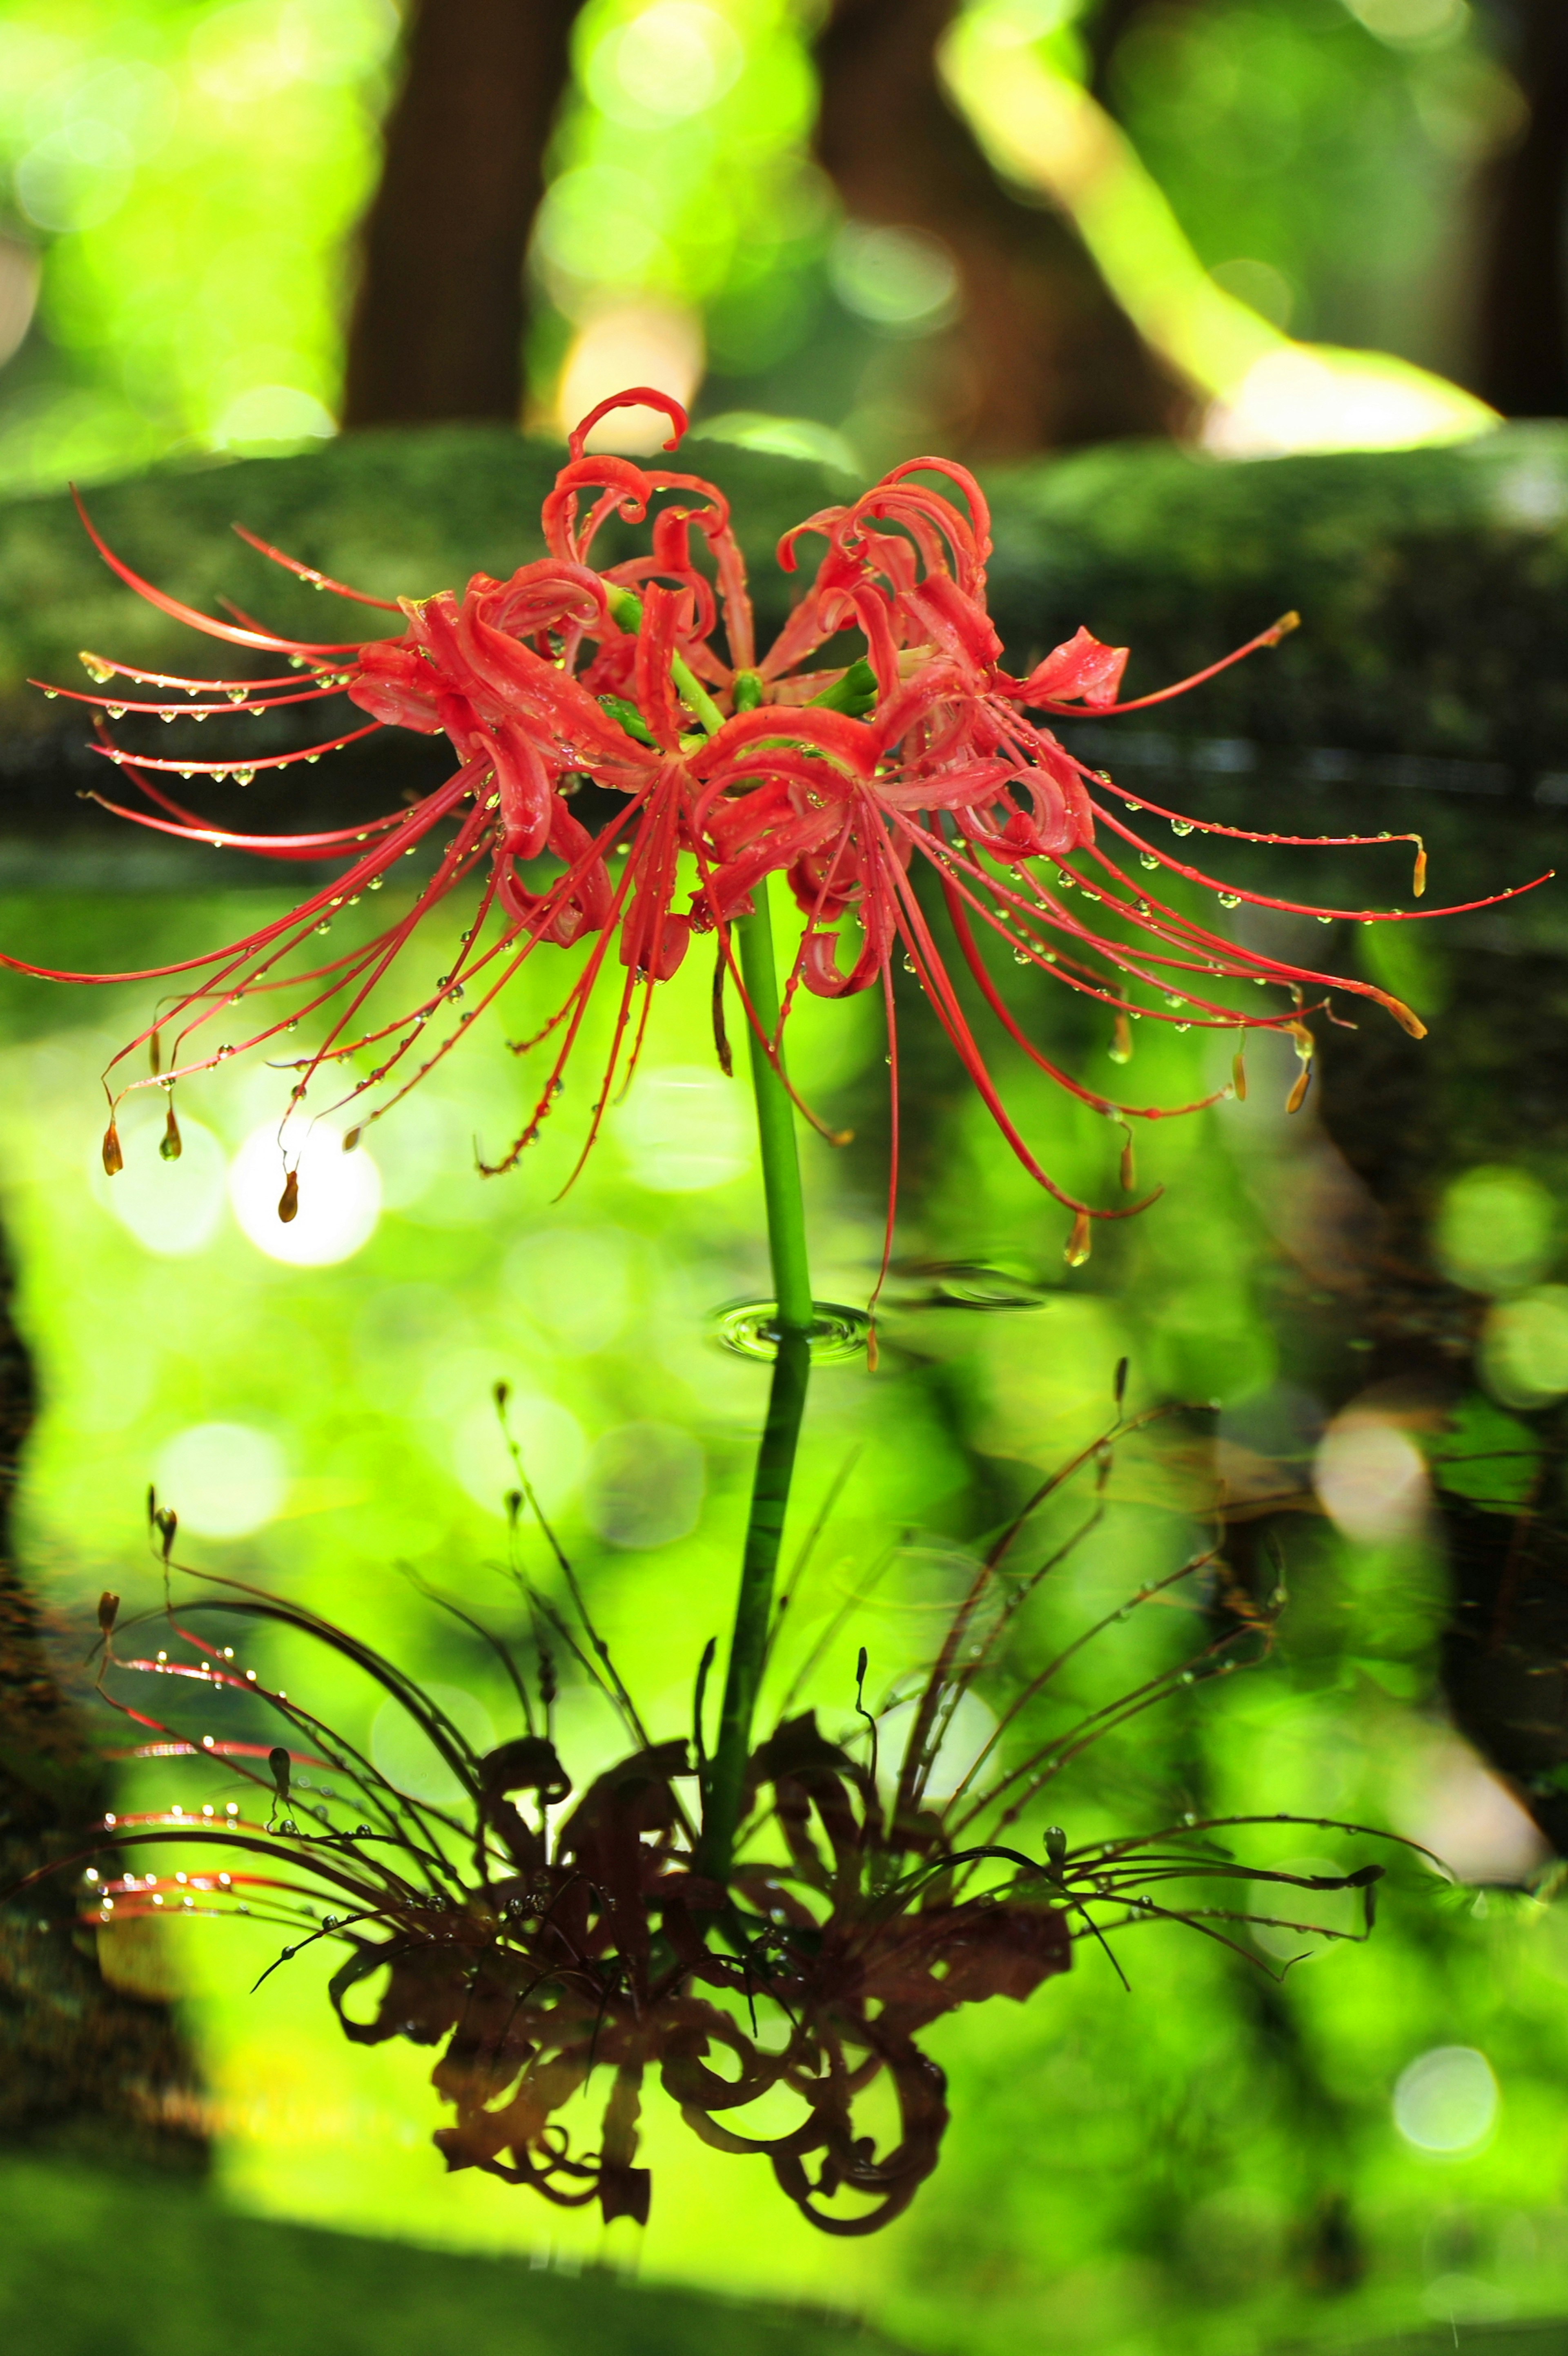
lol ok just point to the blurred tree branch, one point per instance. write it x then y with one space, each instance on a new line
1047 358
437 330
1522 366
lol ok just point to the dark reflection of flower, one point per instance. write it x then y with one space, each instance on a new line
540 1936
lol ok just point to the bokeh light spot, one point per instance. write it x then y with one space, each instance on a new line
173 1208
1495 1230
223 1479
574 1284
894 278
554 1451
683 1129
1371 1478
1524 1348
409 1759
1446 2101
339 1197
674 60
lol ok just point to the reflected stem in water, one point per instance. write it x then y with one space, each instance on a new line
786 1398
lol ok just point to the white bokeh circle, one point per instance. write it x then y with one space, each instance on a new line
173 1208
1371 1478
1446 2101
223 1479
339 1196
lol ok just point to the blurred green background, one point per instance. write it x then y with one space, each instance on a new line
1292 217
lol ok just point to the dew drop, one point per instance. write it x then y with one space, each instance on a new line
1181 826
1230 899
1147 859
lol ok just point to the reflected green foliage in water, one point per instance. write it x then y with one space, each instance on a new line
1211 2161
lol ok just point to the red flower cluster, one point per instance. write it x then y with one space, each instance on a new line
643 677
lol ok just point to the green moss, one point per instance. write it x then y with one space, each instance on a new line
89 2261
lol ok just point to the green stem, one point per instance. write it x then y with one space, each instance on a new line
786 1400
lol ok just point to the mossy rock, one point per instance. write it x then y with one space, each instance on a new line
1433 584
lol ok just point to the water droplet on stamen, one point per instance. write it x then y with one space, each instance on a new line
1181 826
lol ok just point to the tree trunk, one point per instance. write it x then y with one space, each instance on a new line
437 331
1046 356
1523 357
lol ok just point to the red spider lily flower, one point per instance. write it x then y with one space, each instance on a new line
735 767
559 673
947 765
